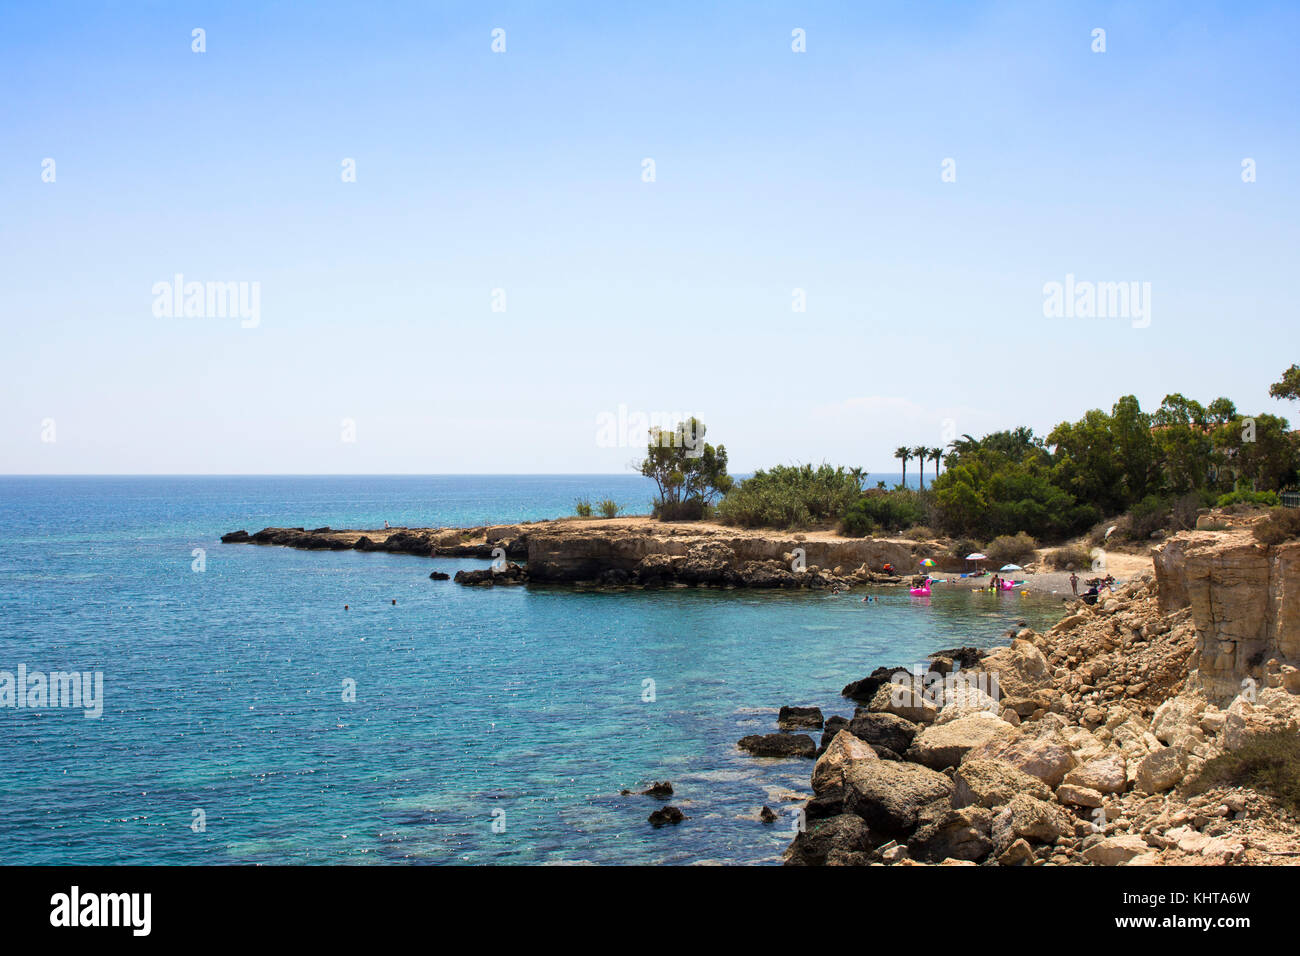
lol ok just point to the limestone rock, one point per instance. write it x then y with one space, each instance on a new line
1116 850
903 700
779 745
1161 770
800 718
1046 756
889 794
944 745
1104 774
992 783
842 840
884 730
843 749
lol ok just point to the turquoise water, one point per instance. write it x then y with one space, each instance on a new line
490 726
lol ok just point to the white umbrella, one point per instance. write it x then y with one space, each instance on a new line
977 557
1010 567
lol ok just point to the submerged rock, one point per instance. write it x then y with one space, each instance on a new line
779 745
487 577
796 718
666 815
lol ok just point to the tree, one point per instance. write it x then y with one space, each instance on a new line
688 471
919 453
1288 386
936 455
904 454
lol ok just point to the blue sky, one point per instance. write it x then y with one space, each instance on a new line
522 171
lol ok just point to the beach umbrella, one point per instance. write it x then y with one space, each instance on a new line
927 563
976 556
1010 567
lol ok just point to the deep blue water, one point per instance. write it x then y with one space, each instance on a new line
223 688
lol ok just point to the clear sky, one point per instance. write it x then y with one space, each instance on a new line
523 171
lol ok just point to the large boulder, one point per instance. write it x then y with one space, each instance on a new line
992 783
842 751
1116 850
1105 774
779 745
841 840
944 833
1161 770
865 689
1045 755
800 718
944 745
884 730
1020 668
1272 709
965 701
903 700
889 794
1177 722
1032 819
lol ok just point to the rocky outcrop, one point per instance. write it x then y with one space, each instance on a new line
800 718
1244 601
630 552
778 745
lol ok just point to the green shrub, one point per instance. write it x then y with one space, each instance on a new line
884 510
1148 516
1070 557
609 508
1009 548
582 507
1269 762
1282 524
1268 498
791 496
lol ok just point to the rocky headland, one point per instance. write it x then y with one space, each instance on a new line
628 552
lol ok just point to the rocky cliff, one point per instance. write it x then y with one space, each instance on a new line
1244 600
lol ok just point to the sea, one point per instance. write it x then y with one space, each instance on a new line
246 717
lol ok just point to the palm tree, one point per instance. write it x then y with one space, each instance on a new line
919 453
936 455
905 454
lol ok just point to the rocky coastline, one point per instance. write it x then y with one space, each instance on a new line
1077 746
1089 749
626 554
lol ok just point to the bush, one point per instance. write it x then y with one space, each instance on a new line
1070 557
920 532
1269 762
1148 516
1268 498
692 509
1010 548
790 496
884 510
582 507
609 508
1282 524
